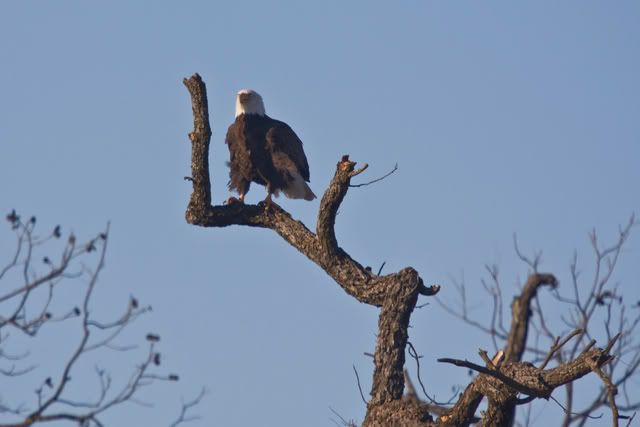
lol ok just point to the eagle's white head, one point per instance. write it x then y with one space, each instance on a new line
249 101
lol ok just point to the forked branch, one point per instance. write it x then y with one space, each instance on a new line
33 304
395 293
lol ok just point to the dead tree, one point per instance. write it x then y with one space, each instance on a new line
502 379
31 280
593 302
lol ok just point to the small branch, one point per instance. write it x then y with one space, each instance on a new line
381 267
569 413
357 171
414 354
344 422
429 291
557 345
182 418
463 312
631 419
522 388
525 378
395 168
612 390
359 387
532 263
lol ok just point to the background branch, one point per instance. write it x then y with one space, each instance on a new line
37 295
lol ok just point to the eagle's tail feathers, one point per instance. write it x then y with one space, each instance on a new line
298 189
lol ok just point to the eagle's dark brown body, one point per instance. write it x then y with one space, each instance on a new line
268 152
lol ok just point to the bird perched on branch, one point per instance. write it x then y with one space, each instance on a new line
265 151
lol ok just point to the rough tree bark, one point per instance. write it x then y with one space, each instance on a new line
396 295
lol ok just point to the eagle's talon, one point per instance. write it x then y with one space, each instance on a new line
234 201
267 202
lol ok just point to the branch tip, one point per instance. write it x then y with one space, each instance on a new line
429 291
359 171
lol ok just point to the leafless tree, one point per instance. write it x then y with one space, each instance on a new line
504 379
594 305
29 309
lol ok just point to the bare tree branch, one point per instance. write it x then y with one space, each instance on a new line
396 294
52 403
501 380
395 168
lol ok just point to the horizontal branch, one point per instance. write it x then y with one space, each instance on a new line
501 385
321 248
395 293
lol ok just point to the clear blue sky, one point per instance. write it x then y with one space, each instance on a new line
503 117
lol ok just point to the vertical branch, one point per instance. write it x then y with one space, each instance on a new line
200 139
330 203
518 333
521 313
396 293
393 323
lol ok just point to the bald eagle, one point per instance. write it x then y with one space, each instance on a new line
265 151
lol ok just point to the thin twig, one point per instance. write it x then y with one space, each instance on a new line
566 411
381 267
631 419
359 387
344 422
395 168
413 353
557 345
188 405
533 263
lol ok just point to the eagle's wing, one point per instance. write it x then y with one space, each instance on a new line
281 137
235 144
240 165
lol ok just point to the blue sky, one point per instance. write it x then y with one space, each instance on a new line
503 117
